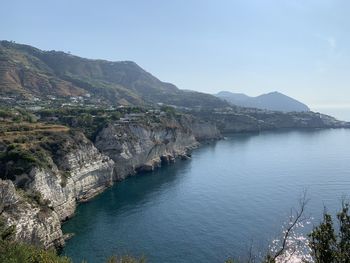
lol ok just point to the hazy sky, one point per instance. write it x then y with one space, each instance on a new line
298 47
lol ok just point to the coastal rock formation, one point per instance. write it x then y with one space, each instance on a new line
202 130
143 147
33 224
79 171
76 171
255 120
73 169
51 166
67 168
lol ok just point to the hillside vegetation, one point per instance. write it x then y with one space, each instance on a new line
29 72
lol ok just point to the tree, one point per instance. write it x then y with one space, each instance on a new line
329 245
289 247
323 241
344 233
326 243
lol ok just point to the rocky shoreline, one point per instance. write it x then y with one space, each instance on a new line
81 169
76 169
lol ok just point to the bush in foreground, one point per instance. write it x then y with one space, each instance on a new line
11 252
329 242
21 253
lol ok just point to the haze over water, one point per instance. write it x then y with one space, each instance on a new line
211 207
341 113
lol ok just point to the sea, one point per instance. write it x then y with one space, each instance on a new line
231 200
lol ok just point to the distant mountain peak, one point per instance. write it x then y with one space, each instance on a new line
275 101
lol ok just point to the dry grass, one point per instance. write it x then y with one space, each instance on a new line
27 128
28 134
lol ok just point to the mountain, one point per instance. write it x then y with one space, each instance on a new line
274 101
27 72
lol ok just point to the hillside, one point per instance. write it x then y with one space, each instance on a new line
27 72
274 101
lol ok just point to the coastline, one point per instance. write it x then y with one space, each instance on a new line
82 169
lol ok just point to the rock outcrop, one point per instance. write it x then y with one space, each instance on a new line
78 171
75 170
77 174
202 130
143 147
33 224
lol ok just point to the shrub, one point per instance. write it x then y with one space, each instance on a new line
331 245
17 160
11 252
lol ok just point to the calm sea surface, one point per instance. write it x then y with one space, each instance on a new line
232 193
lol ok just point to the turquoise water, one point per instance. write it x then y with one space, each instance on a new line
232 193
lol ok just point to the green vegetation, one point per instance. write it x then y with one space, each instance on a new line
11 252
17 160
25 145
331 245
14 252
22 151
16 115
42 143
87 120
170 111
107 83
328 245
5 232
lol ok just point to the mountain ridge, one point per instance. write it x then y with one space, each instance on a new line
26 71
274 101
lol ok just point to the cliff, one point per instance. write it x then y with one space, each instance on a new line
74 170
45 170
51 171
33 224
201 129
255 120
142 146
77 173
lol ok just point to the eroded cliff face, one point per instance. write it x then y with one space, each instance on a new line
140 146
33 224
78 172
202 130
143 147
75 170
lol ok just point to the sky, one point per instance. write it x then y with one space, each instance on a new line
298 47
